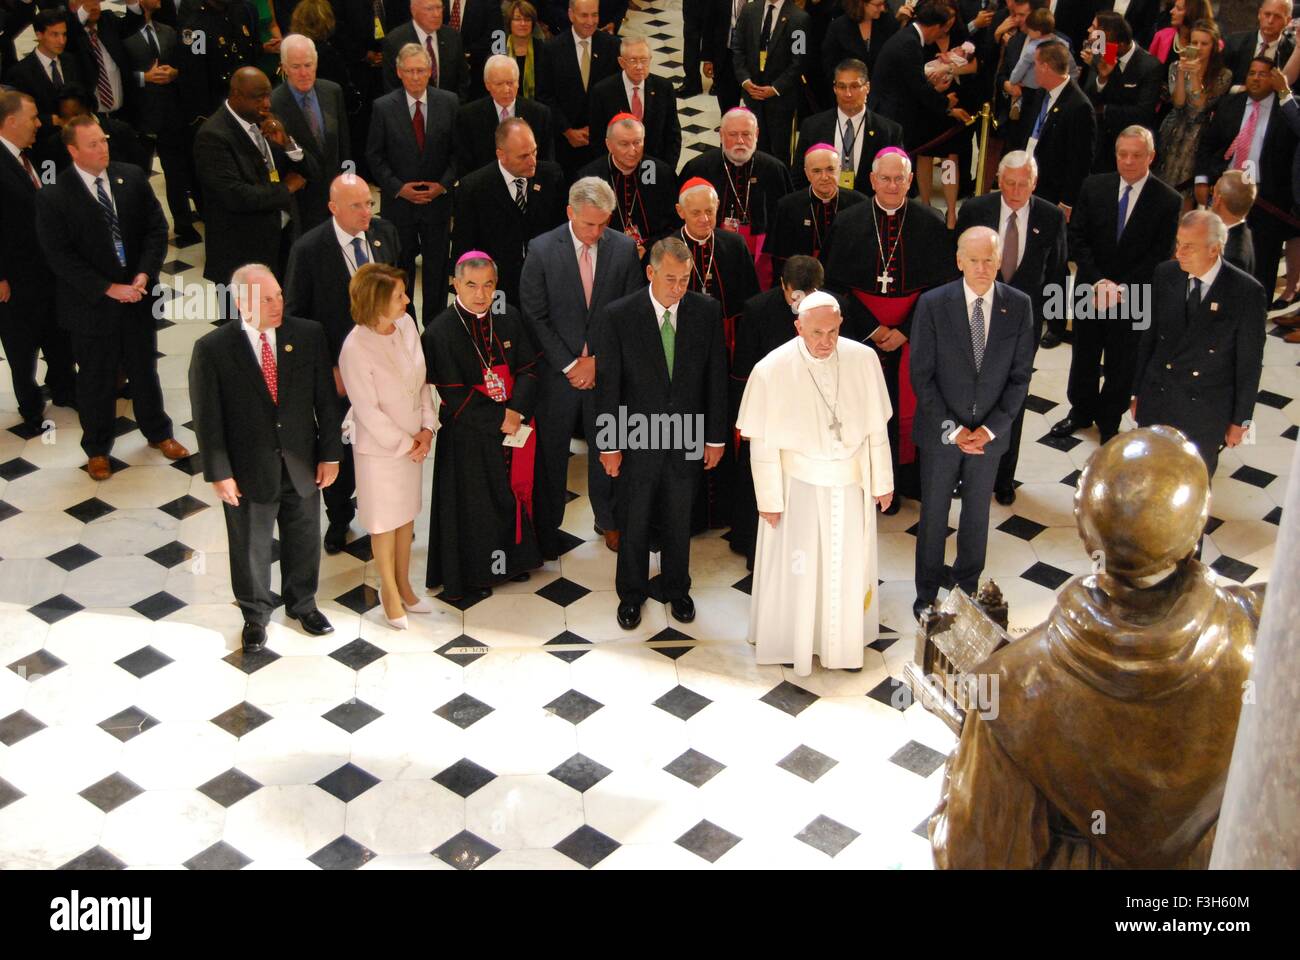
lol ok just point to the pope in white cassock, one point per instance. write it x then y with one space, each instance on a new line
815 412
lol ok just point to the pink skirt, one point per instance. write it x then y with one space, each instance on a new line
389 491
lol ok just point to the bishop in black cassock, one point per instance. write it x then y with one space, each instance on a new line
804 218
645 188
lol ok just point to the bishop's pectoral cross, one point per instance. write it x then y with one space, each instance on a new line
884 280
835 427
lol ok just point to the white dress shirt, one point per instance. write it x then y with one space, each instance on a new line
512 106
859 128
987 307
659 310
510 179
345 241
627 90
13 149
1136 191
1207 278
1022 227
45 65
254 336
577 253
89 180
422 100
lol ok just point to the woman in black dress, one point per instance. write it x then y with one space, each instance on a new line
858 34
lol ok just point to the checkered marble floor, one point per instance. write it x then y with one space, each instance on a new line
526 730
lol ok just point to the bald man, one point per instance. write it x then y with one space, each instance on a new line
1234 195
804 217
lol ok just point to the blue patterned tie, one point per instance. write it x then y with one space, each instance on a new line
359 252
1123 212
977 332
113 225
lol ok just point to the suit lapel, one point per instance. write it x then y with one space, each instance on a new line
247 363
961 323
655 343
284 366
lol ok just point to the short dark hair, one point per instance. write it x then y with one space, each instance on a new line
1056 55
932 13
853 65
76 123
803 273
1267 61
11 101
47 18
1041 20
1114 26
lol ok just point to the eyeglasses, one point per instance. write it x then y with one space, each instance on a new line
637 61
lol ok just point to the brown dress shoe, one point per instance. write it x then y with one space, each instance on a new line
1290 321
611 540
171 449
1292 337
99 468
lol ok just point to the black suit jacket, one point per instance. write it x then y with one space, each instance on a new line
395 159
329 155
355 32
844 41
29 76
476 130
1240 248
634 376
1044 259
453 71
1240 48
1066 144
154 107
559 86
22 262
784 66
241 433
877 133
111 29
663 131
1274 173
950 392
242 205
78 244
899 89
1148 237
1201 374
1130 96
487 219
317 279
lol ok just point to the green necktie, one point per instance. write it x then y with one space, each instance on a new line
669 337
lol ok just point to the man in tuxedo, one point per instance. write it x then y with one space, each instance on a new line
410 156
1268 41
1233 198
321 265
571 65
95 39
1256 131
901 91
559 313
647 97
1125 92
504 204
312 111
1062 133
972 357
267 418
1199 362
769 50
477 121
250 171
804 218
1032 239
645 188
662 356
440 42
855 132
105 238
1123 226
47 68
28 323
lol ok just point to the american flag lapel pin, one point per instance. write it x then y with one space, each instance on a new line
1214 307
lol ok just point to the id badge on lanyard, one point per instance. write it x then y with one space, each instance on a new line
847 178
732 224
495 385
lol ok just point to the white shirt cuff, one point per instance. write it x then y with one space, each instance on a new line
570 366
715 444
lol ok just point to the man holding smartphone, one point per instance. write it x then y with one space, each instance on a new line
1121 79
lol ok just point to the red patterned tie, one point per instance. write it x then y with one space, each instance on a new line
455 15
31 171
103 86
417 125
433 59
268 370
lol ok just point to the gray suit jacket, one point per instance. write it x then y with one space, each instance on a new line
550 290
313 204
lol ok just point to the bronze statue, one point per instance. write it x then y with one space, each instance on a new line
1115 719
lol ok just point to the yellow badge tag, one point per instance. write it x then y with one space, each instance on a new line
847 178
379 29
762 60
275 176
246 33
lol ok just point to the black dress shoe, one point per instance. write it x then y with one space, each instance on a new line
254 637
629 615
520 577
313 622
336 537
1005 497
1067 427
895 505
64 400
1049 341
918 607
693 90
683 609
947 580
1281 303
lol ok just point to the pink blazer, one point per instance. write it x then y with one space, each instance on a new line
385 380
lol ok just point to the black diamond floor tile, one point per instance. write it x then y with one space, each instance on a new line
1270 399
90 510
361 549
230 787
128 724
55 608
360 599
1039 404
565 639
568 541
745 585
36 665
803 761
788 698
918 758
15 468
19 725
358 654
1233 569
574 706
143 662
1064 444
1046 575
464 711
8 510
353 715
250 663
219 856
183 507
170 554
191 466
73 557
161 604
695 768
892 693
1021 527
111 792
827 835
882 644
241 719
563 592
343 853
922 829
1274 516
581 773
96 858
25 432
347 782
708 841
1292 432
9 793
462 651
176 266
1212 524
1072 479
682 702
465 851
915 528
1254 476
465 777
587 846
461 603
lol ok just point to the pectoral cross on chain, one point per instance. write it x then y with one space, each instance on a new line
835 428
884 280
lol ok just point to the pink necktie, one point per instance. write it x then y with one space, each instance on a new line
637 110
586 273
1239 151
505 114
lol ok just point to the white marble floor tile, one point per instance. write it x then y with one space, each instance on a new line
521 812
296 750
407 746
409 683
178 755
45 832
284 822
514 621
301 686
516 741
405 817
163 826
60 760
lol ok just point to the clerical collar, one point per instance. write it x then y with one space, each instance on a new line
889 212
619 170
807 355
743 163
690 237
468 312
831 199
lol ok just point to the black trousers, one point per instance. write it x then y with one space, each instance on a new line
429 239
1101 371
775 123
725 87
339 505
133 348
1269 236
941 468
250 528
661 497
28 326
560 408
1006 476
693 16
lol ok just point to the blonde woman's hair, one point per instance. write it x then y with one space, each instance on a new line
371 290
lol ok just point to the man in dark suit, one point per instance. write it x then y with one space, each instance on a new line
443 44
47 68
477 121
1233 198
28 324
645 188
504 204
1061 128
410 155
718 62
1032 239
972 357
1256 130
901 92
267 419
95 39
571 65
769 48
1199 362
313 114
1125 92
250 171
570 274
661 356
1123 225
647 97
1269 40
105 238
472 19
855 132
228 33
321 265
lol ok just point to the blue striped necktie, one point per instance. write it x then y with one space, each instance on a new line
111 214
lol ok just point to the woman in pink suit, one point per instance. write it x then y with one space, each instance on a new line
391 427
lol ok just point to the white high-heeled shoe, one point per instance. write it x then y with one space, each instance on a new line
399 624
420 606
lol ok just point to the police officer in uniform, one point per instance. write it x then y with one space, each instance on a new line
218 37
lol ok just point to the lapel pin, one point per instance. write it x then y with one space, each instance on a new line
505 343
288 348
375 243
1214 307
537 188
807 223
1034 229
